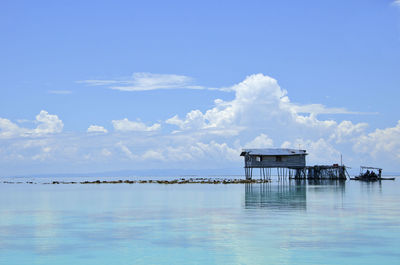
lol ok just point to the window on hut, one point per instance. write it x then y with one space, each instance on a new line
278 159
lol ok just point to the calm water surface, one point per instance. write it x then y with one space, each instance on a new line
277 223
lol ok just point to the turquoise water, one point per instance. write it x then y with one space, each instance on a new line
275 223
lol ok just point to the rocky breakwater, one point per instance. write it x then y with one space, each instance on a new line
165 182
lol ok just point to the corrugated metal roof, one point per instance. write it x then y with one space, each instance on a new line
273 152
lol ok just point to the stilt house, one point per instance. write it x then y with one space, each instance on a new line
288 163
292 159
274 158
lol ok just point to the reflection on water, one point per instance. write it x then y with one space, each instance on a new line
333 183
336 187
275 196
288 222
291 194
371 187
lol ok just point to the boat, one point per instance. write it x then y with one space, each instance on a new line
369 174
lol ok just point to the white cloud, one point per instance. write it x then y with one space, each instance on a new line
258 101
321 109
149 81
153 155
47 124
60 92
126 125
396 2
384 142
96 129
146 81
195 153
45 149
319 151
194 120
346 130
126 150
260 114
44 154
261 106
9 129
261 141
218 152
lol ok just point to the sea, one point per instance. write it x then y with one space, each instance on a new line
282 222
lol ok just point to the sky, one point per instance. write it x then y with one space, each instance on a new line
95 86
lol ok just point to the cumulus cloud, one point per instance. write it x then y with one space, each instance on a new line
96 129
9 129
259 101
194 120
381 141
146 81
260 115
320 151
346 131
195 152
46 124
126 125
215 151
261 105
261 141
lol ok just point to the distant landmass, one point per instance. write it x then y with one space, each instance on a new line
146 173
170 173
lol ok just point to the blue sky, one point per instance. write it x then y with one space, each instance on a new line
111 85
